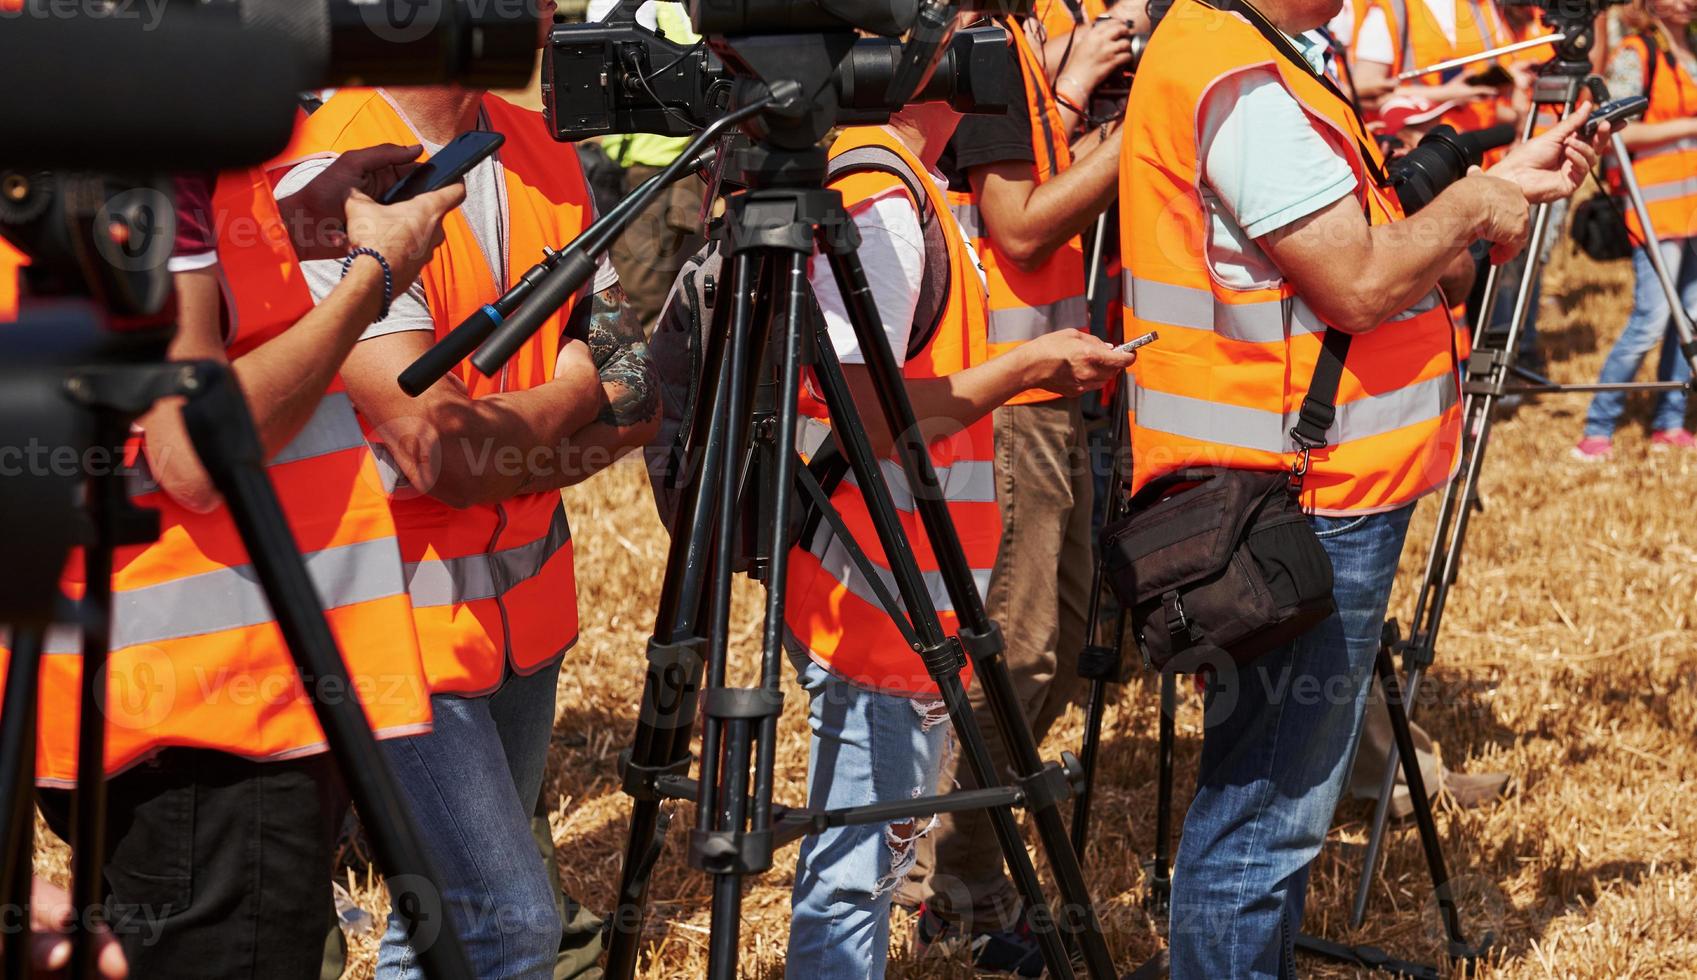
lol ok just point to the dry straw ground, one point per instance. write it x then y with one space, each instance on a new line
1567 659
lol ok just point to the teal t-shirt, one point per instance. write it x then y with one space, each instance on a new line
1265 164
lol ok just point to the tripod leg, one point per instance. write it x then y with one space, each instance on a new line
942 659
1429 842
17 776
222 432
1045 786
676 651
1099 663
1160 869
721 845
88 806
1476 421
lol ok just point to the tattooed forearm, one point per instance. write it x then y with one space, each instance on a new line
620 349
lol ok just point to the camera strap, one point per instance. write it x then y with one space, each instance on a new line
1288 51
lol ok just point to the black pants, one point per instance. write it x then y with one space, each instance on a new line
216 866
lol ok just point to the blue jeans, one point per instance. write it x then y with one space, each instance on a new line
471 785
1278 739
1651 323
866 747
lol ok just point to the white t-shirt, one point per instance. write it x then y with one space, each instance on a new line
485 210
892 251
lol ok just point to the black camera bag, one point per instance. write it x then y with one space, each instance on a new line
1215 563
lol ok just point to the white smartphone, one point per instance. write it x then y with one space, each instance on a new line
1137 342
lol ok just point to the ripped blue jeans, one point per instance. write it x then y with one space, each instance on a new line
866 747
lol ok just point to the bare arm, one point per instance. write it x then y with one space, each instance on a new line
282 380
1067 362
464 451
631 413
1641 136
1390 266
1029 221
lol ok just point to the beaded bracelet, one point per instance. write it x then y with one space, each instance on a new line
388 277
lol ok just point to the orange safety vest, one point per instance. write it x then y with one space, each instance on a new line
1225 383
1667 174
12 264
492 585
197 659
1060 17
831 609
1027 305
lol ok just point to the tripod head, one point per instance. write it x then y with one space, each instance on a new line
1576 21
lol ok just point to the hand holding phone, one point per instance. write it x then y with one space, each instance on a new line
1137 342
449 164
1615 113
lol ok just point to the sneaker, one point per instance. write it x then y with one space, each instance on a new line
1592 449
1665 439
1012 952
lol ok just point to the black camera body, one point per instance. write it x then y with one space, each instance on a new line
618 76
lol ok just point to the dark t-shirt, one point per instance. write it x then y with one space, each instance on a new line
197 232
981 140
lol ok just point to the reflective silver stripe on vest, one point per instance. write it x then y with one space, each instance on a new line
331 429
965 481
1251 323
230 598
1671 190
453 581
835 560
1021 323
971 225
1264 431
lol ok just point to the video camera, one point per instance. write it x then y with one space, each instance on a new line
102 104
618 76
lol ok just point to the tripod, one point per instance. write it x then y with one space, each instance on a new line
741 449
1489 370
68 378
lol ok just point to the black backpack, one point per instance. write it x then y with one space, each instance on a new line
679 341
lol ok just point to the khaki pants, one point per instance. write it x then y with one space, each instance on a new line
1039 592
657 242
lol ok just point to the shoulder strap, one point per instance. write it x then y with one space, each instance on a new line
1652 53
934 282
1319 408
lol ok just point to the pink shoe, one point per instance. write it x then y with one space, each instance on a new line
1672 439
1593 449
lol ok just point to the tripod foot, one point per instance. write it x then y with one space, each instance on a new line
1157 967
1367 958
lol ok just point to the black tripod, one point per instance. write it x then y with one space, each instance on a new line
71 382
742 451
1560 83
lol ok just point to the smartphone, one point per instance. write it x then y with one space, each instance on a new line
1496 76
1615 112
1137 342
449 164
